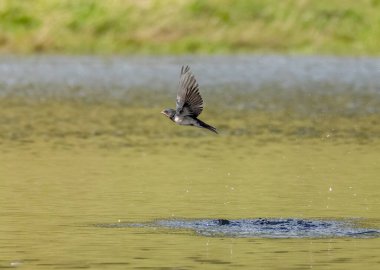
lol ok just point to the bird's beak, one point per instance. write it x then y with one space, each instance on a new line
163 112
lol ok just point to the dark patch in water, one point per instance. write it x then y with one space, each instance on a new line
222 222
260 228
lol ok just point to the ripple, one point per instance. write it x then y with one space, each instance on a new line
260 228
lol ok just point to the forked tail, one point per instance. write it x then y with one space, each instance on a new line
204 125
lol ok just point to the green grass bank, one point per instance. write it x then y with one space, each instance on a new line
348 27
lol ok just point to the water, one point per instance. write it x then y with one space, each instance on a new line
83 147
260 228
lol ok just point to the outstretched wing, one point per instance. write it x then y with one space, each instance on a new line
189 101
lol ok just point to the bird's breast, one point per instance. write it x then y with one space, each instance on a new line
180 120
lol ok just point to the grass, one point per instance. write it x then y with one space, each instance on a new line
190 26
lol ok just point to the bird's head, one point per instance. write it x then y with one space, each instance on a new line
169 113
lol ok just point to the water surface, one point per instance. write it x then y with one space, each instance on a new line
85 152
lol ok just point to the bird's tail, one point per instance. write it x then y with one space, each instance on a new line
204 125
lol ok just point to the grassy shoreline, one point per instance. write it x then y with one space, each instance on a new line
190 26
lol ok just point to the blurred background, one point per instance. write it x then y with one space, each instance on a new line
293 87
190 26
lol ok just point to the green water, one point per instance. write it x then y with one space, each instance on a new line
67 166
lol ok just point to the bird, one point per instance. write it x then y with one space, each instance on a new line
189 103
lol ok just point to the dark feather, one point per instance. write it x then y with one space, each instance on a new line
207 126
189 100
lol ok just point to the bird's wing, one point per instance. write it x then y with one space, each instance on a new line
189 101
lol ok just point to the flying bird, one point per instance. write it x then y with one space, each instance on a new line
189 103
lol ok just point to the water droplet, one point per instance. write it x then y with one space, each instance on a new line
15 264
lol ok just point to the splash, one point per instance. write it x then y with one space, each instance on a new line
260 228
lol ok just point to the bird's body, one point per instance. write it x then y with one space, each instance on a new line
189 103
184 120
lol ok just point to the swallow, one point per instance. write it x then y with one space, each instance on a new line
189 103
